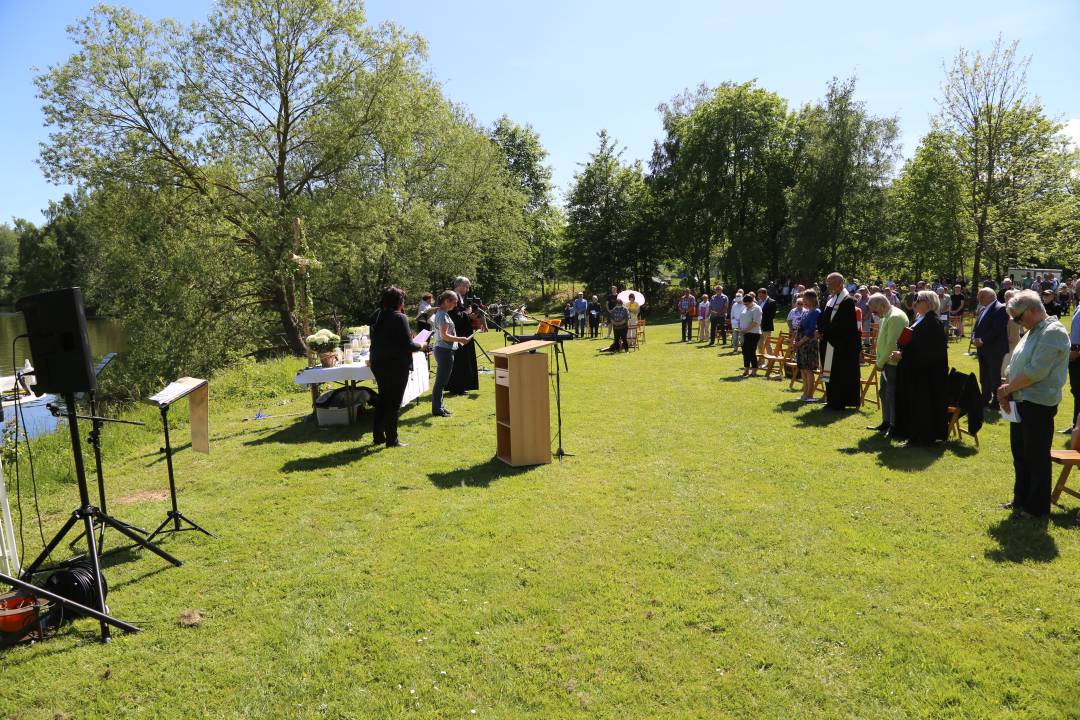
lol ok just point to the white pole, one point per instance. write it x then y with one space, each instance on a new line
9 556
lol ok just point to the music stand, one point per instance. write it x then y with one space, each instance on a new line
198 408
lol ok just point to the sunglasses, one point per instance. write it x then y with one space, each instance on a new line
1016 318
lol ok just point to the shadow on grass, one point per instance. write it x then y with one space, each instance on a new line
305 430
821 416
895 457
1022 540
331 460
480 475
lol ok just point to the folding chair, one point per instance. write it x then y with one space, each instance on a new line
774 358
821 377
870 381
641 331
632 335
955 428
1068 459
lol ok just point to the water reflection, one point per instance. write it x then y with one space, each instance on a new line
105 336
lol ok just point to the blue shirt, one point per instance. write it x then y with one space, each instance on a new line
442 319
808 326
1074 332
580 306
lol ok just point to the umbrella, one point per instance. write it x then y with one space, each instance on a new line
638 297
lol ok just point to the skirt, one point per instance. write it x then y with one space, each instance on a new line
807 356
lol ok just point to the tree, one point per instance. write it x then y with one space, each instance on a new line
604 225
843 162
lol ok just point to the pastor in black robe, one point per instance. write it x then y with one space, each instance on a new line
840 332
464 375
922 384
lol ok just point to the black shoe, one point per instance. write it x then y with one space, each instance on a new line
378 439
397 443
883 427
1066 431
442 413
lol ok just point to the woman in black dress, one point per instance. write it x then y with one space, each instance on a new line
392 348
922 377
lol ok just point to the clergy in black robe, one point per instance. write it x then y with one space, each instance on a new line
922 381
464 376
840 348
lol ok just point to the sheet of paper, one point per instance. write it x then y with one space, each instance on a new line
422 337
1013 415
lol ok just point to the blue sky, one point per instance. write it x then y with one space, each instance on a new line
570 68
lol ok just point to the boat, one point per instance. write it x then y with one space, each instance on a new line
18 389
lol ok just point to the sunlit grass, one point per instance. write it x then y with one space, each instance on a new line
712 550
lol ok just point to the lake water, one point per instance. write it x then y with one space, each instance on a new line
105 336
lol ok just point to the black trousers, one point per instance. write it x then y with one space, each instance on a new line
749 349
594 326
391 379
1030 440
688 328
990 376
1074 386
620 338
716 323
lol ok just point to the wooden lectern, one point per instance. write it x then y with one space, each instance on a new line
522 407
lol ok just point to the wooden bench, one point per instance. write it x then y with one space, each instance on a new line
1068 459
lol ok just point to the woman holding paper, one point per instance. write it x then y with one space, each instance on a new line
446 342
392 348
1029 399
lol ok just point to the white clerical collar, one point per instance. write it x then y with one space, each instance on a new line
837 298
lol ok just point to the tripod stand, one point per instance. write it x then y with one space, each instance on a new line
174 515
559 453
88 514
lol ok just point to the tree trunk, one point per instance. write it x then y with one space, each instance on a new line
289 326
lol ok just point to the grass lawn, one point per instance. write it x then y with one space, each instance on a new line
715 549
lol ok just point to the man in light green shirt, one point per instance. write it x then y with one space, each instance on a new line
893 322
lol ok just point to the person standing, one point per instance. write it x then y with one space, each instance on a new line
991 336
750 329
703 318
718 316
464 375
795 316
686 307
392 349
922 377
840 347
1036 376
424 311
893 322
736 313
768 313
581 312
610 301
594 317
807 354
1074 363
446 344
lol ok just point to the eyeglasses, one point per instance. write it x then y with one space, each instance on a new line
1017 318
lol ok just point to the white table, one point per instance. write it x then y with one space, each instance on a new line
352 373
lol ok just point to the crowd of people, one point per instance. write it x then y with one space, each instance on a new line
1025 354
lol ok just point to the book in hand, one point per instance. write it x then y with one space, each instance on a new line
905 337
422 337
1013 415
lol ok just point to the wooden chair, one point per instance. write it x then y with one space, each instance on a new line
955 428
641 331
632 337
870 381
820 379
774 357
956 323
1068 459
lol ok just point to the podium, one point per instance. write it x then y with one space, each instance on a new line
522 406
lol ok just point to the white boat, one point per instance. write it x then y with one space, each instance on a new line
20 388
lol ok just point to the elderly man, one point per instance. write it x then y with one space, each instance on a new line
1006 286
1074 361
893 322
991 337
718 314
1036 375
840 349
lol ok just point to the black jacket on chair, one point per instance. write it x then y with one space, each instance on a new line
964 394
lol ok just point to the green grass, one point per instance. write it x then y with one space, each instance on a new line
714 550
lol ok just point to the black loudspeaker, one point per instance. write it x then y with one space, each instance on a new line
59 344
